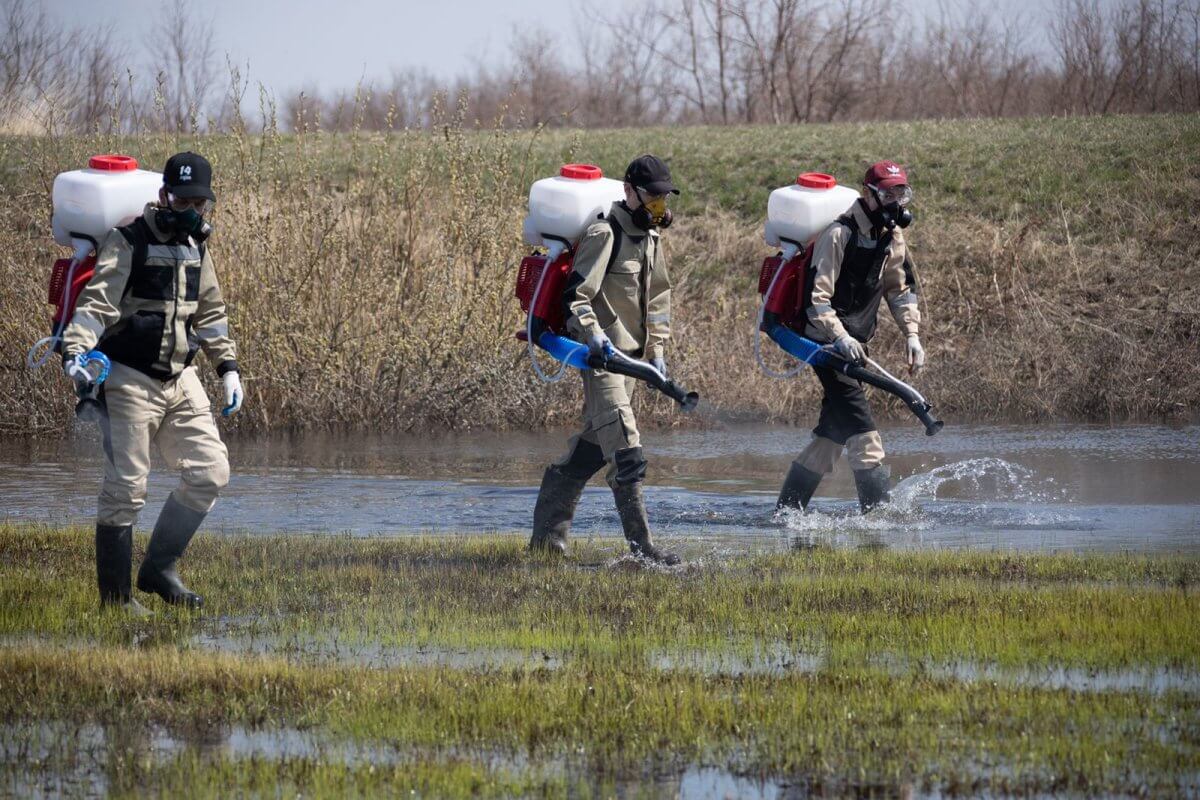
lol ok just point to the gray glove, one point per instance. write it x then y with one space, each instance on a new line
599 345
850 349
914 353
659 364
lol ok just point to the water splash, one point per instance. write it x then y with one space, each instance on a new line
979 479
984 493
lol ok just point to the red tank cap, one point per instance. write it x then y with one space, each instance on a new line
816 180
113 163
581 172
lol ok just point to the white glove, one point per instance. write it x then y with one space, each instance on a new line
233 393
73 369
914 353
850 349
659 364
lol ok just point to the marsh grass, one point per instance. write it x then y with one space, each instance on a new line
873 714
370 274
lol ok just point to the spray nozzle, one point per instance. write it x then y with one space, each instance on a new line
92 367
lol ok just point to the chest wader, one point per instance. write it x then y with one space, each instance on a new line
563 483
845 415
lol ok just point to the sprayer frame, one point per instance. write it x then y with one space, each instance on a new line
575 354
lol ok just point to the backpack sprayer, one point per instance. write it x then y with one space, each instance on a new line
560 210
796 214
88 203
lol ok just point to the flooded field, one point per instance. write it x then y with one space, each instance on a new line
460 665
1022 620
995 487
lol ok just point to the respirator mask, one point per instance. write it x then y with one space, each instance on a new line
892 211
184 217
653 212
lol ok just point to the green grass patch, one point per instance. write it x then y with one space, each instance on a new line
484 671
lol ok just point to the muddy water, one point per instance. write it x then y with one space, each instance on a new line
1048 487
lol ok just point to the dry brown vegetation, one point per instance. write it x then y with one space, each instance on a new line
370 275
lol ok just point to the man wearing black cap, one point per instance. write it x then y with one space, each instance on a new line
152 303
618 297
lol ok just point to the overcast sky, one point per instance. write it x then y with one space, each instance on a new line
294 43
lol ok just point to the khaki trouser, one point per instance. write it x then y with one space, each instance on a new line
864 451
176 416
845 422
608 421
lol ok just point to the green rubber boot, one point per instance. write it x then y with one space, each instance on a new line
114 568
872 485
556 503
798 487
174 529
631 506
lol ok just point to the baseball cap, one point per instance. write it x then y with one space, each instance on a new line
650 173
189 175
885 174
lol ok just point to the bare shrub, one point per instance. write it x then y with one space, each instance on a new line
184 64
369 275
653 62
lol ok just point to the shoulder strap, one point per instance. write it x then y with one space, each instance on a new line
851 245
138 237
616 242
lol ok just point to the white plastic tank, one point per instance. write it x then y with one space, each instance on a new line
112 191
802 210
565 205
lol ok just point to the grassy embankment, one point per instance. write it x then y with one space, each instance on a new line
370 276
331 666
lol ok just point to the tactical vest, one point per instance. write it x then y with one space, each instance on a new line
860 287
155 334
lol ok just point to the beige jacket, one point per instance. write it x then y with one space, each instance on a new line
895 272
629 301
152 303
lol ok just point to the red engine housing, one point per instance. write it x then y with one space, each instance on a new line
786 298
64 307
549 308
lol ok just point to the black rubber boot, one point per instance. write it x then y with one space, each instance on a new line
174 529
872 485
798 487
114 568
631 506
556 503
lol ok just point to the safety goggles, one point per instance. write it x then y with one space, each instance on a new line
202 205
900 194
656 204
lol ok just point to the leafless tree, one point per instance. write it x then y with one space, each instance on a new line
33 47
976 62
646 62
99 96
184 63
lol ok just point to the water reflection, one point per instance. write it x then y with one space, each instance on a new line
1051 487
